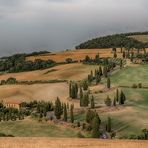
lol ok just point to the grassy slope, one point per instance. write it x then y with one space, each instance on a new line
32 128
130 75
134 118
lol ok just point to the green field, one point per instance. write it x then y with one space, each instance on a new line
130 75
33 128
134 117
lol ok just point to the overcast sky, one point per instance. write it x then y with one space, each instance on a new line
30 25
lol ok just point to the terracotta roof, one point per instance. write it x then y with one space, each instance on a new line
13 102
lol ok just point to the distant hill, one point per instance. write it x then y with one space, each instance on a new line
128 40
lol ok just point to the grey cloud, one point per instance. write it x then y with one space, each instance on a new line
60 24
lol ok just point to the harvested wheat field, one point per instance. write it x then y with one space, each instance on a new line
73 54
69 143
75 71
47 92
78 55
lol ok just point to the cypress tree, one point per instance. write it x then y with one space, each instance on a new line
65 113
123 55
96 115
114 101
97 58
70 91
109 125
58 108
100 71
89 79
132 56
115 55
105 71
98 79
95 128
92 102
121 64
71 114
85 100
81 97
108 101
85 85
122 98
67 105
117 95
108 83
74 90
91 75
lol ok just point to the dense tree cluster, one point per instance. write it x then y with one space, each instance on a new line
18 63
94 121
73 90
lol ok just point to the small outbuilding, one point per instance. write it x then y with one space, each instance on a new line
12 104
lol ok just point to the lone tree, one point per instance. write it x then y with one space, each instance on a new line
70 91
73 90
81 97
105 71
108 101
108 126
117 95
71 114
85 99
58 108
115 55
95 128
123 54
100 71
65 113
108 83
114 101
121 64
92 102
122 98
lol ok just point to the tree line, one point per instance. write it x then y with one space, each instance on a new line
18 63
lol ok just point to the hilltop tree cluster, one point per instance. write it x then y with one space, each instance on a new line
117 41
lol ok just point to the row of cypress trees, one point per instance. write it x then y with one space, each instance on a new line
62 109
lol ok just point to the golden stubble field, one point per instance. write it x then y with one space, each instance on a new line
69 143
73 54
47 92
74 71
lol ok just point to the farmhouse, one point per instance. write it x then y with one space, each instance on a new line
12 104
